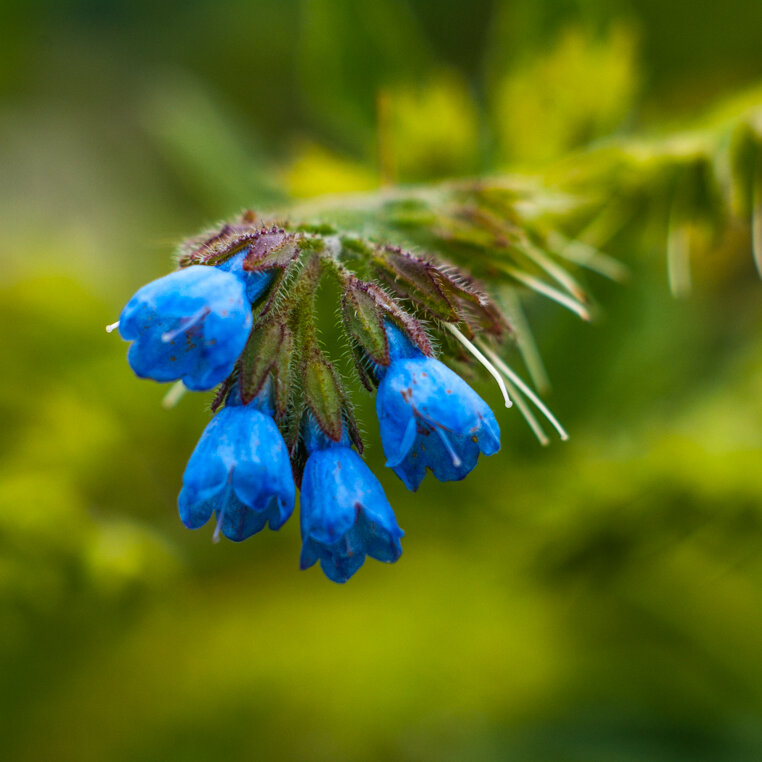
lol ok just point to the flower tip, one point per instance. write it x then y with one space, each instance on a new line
112 327
340 578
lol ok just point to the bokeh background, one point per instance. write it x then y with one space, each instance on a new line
597 600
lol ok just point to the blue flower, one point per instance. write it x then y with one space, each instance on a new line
241 471
430 417
344 512
191 324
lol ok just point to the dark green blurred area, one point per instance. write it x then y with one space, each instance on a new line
598 600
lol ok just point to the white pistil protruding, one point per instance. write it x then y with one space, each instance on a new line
456 461
526 411
223 504
111 328
185 324
483 360
174 395
511 375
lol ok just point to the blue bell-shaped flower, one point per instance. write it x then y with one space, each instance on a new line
241 471
430 417
344 512
191 324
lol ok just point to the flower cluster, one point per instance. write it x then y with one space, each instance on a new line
240 313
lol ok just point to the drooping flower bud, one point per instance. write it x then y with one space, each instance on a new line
345 515
239 471
430 418
191 325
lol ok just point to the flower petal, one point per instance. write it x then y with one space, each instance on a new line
194 512
330 490
344 514
240 468
452 422
239 522
339 567
191 325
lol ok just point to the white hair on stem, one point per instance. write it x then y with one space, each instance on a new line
541 287
585 255
555 271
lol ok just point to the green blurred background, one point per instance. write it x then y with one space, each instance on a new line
597 600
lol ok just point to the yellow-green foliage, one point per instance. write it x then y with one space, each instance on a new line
583 87
314 171
433 129
598 600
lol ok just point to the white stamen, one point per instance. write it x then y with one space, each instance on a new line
456 461
112 327
512 376
185 324
482 359
174 395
